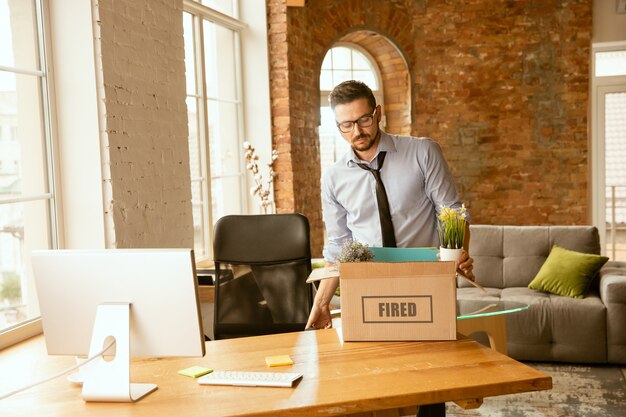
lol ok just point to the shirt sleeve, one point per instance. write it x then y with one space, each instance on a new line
439 182
335 220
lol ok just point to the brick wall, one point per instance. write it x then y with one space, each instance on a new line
501 85
145 122
295 117
505 89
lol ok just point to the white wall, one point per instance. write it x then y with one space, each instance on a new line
77 129
608 26
256 88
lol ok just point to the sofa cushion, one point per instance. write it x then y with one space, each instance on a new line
511 256
583 239
567 272
554 328
486 249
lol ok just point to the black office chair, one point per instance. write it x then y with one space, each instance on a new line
261 264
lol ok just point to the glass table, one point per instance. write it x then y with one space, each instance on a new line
486 316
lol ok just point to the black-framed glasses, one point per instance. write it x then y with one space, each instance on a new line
363 121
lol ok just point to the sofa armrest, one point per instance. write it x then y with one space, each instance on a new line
613 283
613 295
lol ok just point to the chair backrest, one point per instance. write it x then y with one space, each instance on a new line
262 263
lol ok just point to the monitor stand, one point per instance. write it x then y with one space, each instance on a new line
109 381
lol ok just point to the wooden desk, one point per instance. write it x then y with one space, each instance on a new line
339 378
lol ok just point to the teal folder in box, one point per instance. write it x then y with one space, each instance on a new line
404 254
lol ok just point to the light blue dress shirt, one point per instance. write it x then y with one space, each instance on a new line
417 180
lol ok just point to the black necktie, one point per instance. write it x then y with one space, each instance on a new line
386 226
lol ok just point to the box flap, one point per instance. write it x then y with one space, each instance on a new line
319 274
363 270
404 254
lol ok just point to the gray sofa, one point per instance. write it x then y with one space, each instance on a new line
554 328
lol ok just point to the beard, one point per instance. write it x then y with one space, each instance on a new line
363 142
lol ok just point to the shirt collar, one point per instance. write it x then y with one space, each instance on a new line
386 144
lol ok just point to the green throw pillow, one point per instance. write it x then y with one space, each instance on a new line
566 272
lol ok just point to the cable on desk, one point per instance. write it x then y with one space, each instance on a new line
67 371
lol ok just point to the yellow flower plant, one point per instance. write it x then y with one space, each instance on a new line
451 226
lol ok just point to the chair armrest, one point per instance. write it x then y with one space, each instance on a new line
613 283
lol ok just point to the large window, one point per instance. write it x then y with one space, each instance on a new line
27 216
609 147
214 102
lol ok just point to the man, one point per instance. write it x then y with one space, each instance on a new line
400 210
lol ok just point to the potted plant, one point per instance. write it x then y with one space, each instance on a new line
451 225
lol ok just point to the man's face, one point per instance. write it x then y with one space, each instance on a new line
362 139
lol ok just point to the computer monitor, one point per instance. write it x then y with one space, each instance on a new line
146 299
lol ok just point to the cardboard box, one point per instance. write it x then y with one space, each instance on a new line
398 301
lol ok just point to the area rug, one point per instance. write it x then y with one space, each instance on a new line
578 391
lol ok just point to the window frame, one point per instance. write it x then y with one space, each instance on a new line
199 14
33 325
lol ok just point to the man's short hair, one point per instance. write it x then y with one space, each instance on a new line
349 91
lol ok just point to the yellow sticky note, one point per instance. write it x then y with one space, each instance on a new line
195 371
279 360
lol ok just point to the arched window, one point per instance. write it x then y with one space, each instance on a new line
342 62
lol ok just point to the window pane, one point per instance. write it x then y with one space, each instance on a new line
332 144
367 77
23 227
226 195
18 35
22 148
359 61
326 80
195 148
198 180
225 150
224 6
341 76
347 64
615 160
190 62
615 141
341 58
610 63
221 73
327 64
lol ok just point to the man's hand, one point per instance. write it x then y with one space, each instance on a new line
319 318
466 265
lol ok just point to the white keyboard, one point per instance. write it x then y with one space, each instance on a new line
250 379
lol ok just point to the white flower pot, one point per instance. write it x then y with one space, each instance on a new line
446 254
